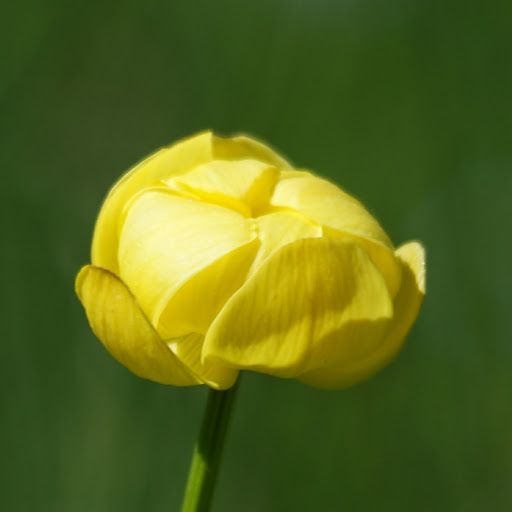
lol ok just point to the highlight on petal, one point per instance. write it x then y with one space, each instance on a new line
166 240
241 147
188 349
341 214
194 306
407 304
171 161
242 185
118 322
289 312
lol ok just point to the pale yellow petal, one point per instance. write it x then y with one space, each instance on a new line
281 228
194 306
242 185
188 348
166 240
407 304
171 161
341 214
121 326
240 147
288 311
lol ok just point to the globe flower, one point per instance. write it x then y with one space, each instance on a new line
215 255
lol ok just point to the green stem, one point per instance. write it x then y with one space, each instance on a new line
208 450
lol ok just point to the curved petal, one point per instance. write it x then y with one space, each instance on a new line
407 304
341 214
176 159
240 147
194 306
117 320
188 349
281 228
166 240
283 315
242 185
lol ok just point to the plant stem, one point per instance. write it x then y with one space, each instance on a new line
208 450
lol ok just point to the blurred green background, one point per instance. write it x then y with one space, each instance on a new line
407 105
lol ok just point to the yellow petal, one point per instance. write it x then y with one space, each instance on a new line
167 162
242 185
407 304
193 307
341 214
166 240
119 323
241 147
289 310
281 228
188 348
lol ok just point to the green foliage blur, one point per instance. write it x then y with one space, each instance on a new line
406 105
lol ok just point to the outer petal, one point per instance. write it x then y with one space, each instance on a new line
290 308
341 214
121 326
167 162
407 304
188 349
166 240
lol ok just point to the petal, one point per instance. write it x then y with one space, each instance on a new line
167 162
188 349
166 240
241 147
407 304
194 306
117 320
242 185
341 214
281 228
287 311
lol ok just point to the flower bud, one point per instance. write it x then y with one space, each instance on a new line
215 255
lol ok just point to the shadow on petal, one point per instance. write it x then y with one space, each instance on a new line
119 323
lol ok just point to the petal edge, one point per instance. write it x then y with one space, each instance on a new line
280 320
407 304
119 323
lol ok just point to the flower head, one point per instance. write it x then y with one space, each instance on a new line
215 255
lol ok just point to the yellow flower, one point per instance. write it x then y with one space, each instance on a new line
215 255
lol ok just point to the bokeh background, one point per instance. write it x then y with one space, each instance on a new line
407 105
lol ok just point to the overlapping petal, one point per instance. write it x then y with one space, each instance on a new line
119 323
166 240
167 162
341 214
289 313
278 229
406 307
188 348
175 160
194 306
242 185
